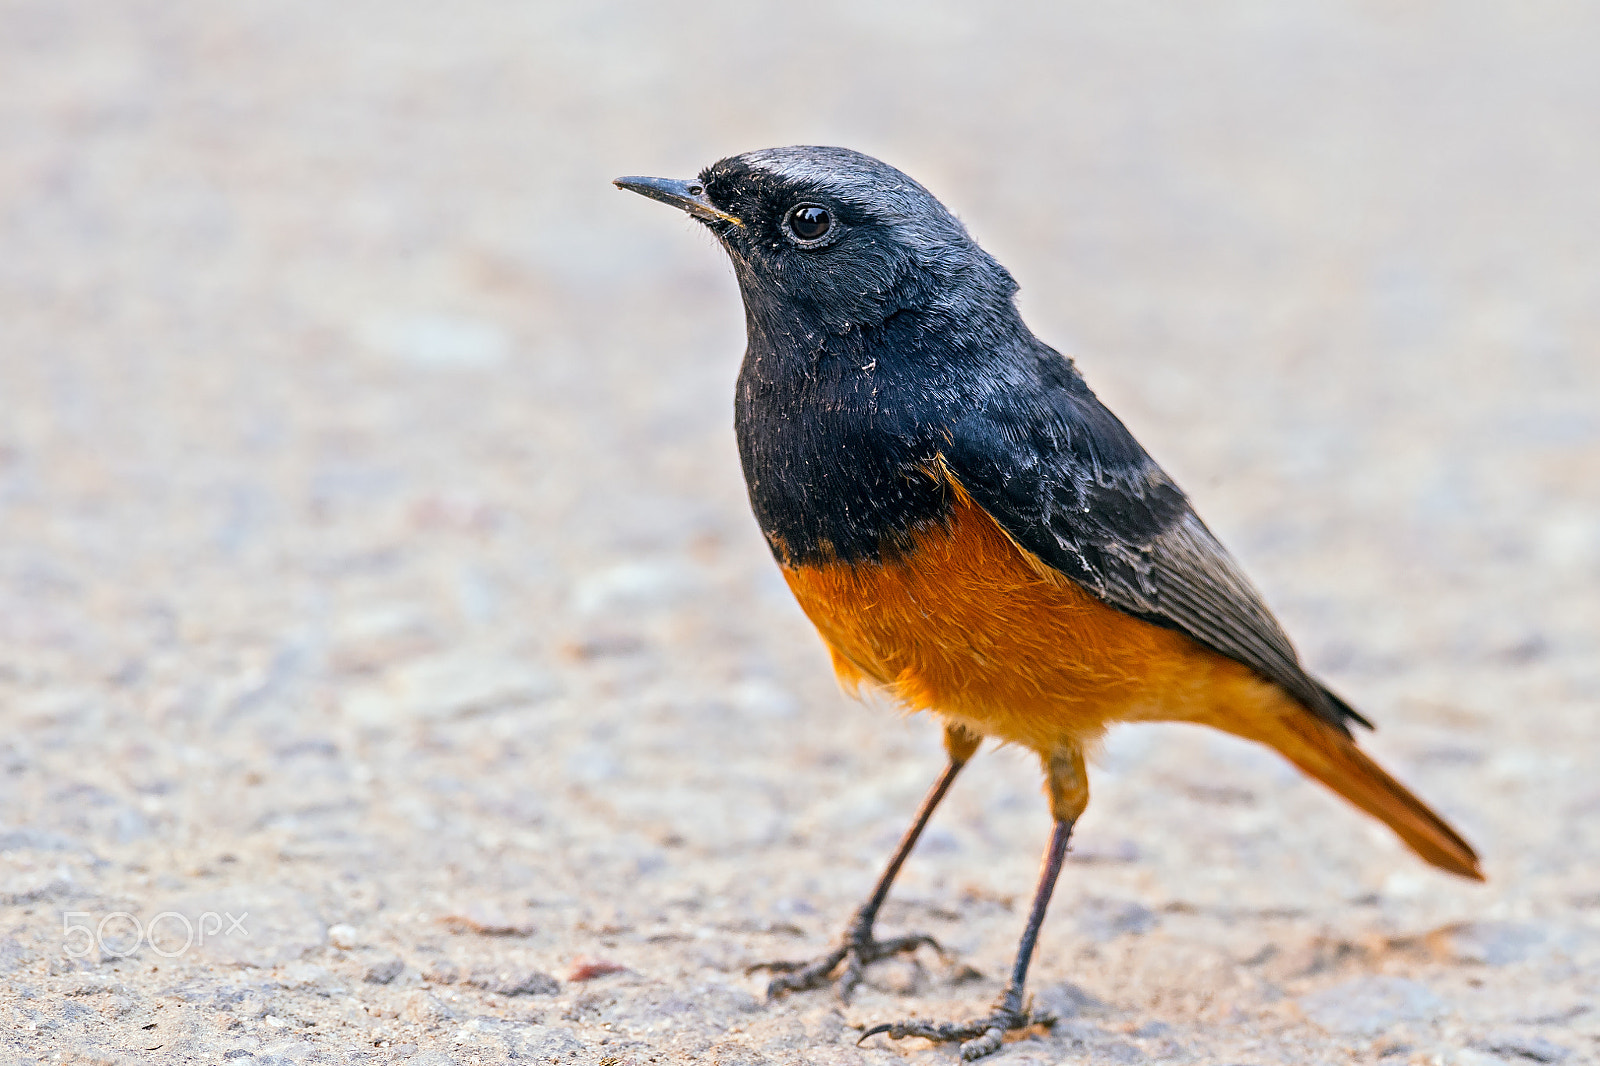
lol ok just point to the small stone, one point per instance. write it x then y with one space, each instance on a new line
382 971
1367 1006
344 937
249 1004
308 975
519 1039
481 1034
424 1008
515 982
442 972
543 1043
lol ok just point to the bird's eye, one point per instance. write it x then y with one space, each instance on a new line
808 223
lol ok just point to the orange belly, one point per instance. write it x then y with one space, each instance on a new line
971 626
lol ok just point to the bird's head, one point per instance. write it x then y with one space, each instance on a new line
830 240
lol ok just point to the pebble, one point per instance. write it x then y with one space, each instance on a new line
308 975
424 1008
442 972
515 982
384 970
344 937
544 1043
520 1040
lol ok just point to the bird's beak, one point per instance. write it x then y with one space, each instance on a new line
688 196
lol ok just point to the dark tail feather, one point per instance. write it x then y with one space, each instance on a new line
1347 712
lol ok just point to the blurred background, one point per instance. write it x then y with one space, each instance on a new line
374 556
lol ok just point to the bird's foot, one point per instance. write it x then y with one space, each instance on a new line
979 1037
856 952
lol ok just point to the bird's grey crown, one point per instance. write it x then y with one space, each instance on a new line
857 179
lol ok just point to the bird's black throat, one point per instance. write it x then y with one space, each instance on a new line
839 431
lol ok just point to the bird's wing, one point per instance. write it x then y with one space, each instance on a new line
1067 481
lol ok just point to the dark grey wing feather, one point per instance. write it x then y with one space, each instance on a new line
1067 481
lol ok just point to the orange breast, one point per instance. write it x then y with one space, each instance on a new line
971 626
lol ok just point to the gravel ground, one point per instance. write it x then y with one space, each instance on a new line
390 669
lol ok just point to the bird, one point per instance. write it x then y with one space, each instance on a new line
970 530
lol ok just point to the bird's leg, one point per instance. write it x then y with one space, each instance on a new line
858 949
1068 786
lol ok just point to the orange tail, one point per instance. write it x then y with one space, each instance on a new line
1333 758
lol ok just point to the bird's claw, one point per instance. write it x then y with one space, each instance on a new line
857 953
979 1037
